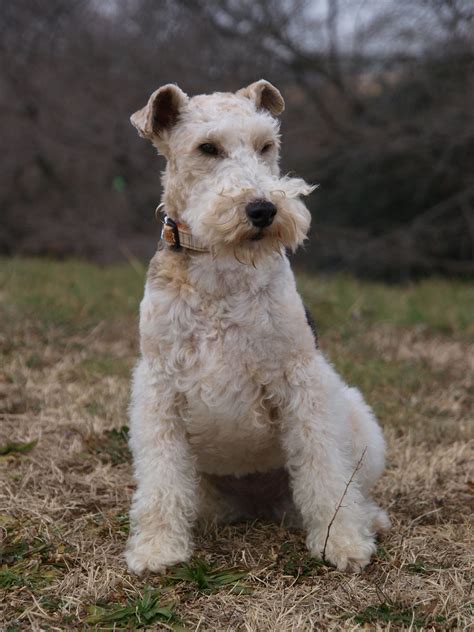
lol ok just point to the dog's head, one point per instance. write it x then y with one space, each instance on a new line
222 177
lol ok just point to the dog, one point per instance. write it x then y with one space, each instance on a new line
235 412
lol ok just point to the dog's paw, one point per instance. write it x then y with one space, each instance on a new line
154 553
345 549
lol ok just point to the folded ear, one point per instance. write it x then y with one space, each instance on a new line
265 96
161 112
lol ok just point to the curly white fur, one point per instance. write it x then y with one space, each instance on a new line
230 382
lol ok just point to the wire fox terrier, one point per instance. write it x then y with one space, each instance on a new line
235 413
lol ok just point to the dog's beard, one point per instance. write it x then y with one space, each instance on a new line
223 225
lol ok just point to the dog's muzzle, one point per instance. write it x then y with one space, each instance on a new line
261 213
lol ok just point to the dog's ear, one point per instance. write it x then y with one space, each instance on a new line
265 96
160 113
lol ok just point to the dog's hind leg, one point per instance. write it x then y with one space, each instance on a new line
164 504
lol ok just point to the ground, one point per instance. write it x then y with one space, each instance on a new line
69 340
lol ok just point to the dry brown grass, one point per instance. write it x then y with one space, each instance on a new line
64 384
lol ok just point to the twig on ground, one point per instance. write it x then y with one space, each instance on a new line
339 505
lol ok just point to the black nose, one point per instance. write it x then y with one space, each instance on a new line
261 213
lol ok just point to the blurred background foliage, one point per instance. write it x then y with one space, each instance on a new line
380 102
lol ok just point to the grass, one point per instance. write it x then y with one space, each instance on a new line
388 613
434 304
207 578
75 296
140 612
111 446
68 337
12 447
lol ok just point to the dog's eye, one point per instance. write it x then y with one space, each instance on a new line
209 149
266 148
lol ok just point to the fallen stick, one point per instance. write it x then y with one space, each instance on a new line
356 469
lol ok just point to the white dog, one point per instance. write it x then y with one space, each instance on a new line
234 410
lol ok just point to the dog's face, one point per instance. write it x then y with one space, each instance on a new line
222 176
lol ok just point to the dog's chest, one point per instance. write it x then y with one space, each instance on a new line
228 364
225 354
240 336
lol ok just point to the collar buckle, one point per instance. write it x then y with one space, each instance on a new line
174 228
178 236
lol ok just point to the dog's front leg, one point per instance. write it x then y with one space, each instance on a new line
164 504
315 436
